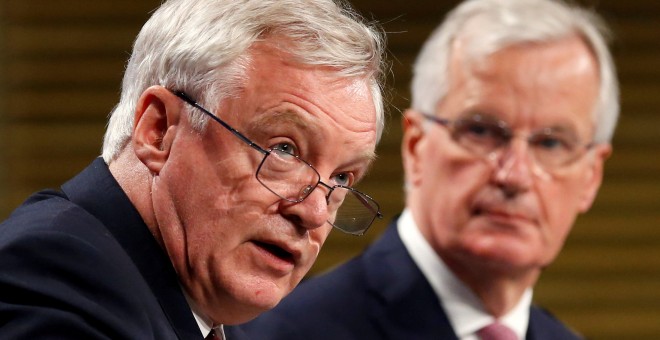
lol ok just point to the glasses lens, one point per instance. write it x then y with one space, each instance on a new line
480 135
287 176
292 179
553 149
353 211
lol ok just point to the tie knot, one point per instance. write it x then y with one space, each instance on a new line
497 331
213 336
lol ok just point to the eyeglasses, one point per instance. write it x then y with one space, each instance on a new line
293 179
484 136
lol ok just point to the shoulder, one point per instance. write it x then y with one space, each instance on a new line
331 292
324 307
48 227
334 305
43 211
63 273
343 289
544 325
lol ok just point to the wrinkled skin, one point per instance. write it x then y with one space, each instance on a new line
498 222
239 249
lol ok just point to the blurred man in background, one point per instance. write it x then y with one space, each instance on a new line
514 106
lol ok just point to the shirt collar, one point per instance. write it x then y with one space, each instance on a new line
463 308
205 324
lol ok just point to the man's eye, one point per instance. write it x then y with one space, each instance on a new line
286 147
479 130
549 143
343 178
550 140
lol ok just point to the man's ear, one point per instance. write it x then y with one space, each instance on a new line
157 117
594 176
413 132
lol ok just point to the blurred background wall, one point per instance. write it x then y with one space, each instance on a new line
61 64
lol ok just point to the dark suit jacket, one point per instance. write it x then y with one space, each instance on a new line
81 264
379 295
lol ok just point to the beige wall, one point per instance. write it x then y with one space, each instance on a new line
60 68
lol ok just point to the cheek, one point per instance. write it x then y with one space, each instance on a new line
442 200
216 204
222 187
450 177
317 238
560 203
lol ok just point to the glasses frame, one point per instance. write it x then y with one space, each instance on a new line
364 198
509 135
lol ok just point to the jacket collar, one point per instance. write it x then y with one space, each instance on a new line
97 191
403 301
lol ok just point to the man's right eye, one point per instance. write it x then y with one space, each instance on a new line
286 148
479 130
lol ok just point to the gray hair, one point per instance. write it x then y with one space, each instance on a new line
503 23
201 47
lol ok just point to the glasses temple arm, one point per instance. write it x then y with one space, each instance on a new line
365 199
193 103
441 121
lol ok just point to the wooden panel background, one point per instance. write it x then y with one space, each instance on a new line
60 67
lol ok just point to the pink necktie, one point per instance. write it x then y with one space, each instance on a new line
497 331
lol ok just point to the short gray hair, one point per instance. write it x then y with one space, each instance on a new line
503 23
201 47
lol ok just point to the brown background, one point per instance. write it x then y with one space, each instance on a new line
60 68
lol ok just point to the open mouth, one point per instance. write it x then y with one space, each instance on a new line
275 251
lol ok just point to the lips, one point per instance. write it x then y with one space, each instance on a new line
501 213
276 251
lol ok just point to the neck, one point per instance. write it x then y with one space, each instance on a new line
134 179
499 290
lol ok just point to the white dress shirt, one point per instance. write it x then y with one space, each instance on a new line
463 308
205 324
205 327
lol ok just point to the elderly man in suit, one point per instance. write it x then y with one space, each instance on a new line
514 106
242 127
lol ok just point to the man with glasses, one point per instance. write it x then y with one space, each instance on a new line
514 106
242 128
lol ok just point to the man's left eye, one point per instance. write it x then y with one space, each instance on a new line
551 142
343 178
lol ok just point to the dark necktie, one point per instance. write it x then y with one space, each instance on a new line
213 336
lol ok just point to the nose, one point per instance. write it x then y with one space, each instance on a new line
514 168
310 213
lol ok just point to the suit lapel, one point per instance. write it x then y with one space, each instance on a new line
544 326
536 330
403 304
96 190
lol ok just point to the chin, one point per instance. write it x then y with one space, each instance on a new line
246 299
506 253
245 311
